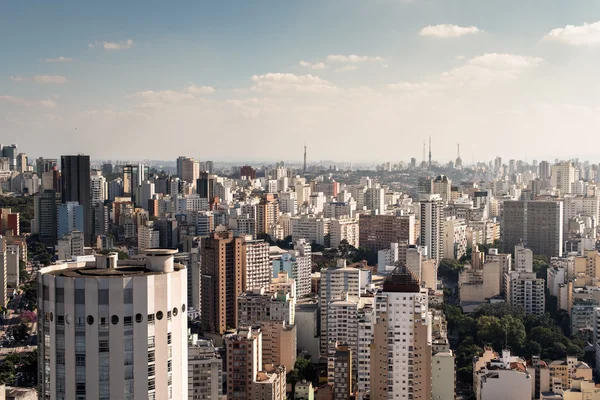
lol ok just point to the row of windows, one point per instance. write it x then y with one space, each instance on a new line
114 319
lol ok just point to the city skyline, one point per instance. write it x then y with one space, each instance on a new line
273 73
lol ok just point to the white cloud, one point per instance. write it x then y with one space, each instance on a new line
156 98
281 82
581 35
480 71
50 79
410 86
352 58
60 59
193 89
460 57
449 31
490 68
40 79
316 66
347 68
20 101
122 45
163 96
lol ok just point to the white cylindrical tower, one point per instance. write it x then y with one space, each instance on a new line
113 330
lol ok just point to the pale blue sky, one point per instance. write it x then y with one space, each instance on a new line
224 79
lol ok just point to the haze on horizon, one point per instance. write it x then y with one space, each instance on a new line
353 79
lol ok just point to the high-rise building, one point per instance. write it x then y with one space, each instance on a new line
344 229
442 186
223 268
46 216
133 176
190 170
99 189
544 170
205 370
258 264
297 264
267 213
536 224
3 272
336 282
205 186
563 176
432 226
70 218
526 291
247 376
10 152
247 172
272 310
113 329
378 232
375 200
76 187
342 360
400 338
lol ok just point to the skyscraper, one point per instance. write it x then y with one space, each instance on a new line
97 342
400 335
223 270
432 225
46 216
76 187
538 224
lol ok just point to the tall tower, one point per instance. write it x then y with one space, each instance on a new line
458 163
430 151
114 329
76 187
304 167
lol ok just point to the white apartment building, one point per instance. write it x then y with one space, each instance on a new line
443 378
99 189
205 370
288 203
313 229
297 264
525 290
387 259
585 206
455 238
336 282
523 259
258 264
400 341
339 209
259 305
342 327
563 176
148 237
432 226
71 244
344 229
113 329
316 201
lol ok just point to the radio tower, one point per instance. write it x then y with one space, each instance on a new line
423 162
304 167
429 151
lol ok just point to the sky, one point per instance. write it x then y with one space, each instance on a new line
354 80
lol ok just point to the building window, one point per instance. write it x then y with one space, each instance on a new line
103 346
114 319
151 318
90 320
159 315
139 318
